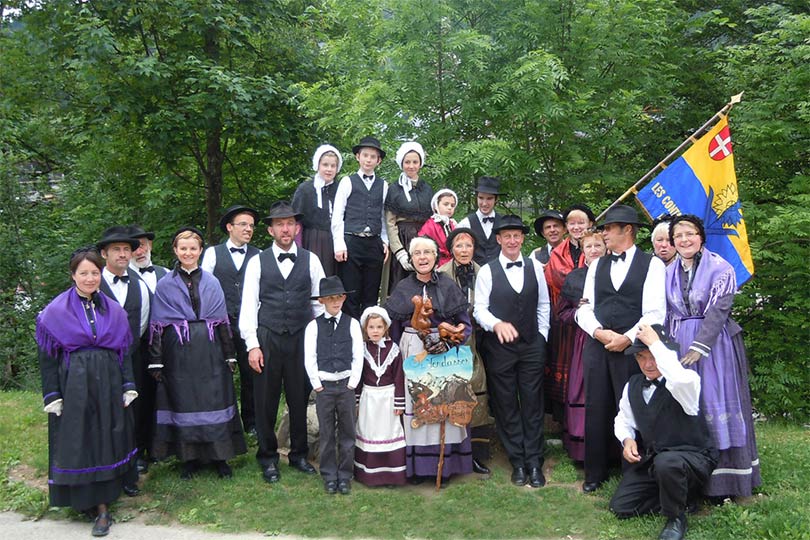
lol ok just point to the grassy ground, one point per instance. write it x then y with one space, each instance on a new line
468 508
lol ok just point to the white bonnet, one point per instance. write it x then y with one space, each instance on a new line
322 149
434 202
374 310
410 146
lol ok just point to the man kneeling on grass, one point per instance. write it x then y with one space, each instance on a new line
674 458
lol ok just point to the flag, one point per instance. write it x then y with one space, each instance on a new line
702 182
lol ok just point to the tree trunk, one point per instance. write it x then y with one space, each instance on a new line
214 154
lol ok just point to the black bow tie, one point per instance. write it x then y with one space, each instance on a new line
146 269
333 321
654 382
116 279
283 256
488 220
614 258
238 250
519 264
368 176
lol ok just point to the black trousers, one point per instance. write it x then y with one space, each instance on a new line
361 273
515 385
662 483
606 373
143 408
283 363
335 407
246 399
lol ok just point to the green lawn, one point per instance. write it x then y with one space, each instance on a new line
470 508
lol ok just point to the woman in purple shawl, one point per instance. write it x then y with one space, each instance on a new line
193 358
700 292
87 386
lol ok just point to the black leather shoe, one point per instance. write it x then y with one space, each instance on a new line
536 478
101 527
142 465
190 468
131 490
302 465
480 468
675 529
344 487
330 486
271 474
416 480
519 476
223 469
590 487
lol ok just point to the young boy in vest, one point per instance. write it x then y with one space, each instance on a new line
359 230
484 220
333 357
675 458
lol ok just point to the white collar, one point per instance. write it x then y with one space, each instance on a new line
278 251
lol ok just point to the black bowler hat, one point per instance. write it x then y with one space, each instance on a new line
545 216
189 228
136 231
330 286
639 345
115 234
511 221
234 211
621 213
281 209
490 185
369 142
457 231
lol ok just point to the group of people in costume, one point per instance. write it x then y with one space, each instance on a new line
137 360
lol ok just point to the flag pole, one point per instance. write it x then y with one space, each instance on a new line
663 163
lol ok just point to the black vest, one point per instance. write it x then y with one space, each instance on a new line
285 303
620 310
231 279
364 207
334 350
486 249
520 309
160 272
543 254
132 304
663 424
305 201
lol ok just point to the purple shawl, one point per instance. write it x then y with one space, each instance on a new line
171 305
62 327
714 278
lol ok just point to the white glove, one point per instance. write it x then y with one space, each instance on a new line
54 407
129 397
402 257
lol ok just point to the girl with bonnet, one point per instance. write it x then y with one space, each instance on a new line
314 200
441 223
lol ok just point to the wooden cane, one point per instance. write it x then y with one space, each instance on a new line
441 456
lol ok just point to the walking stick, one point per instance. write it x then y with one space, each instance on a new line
441 456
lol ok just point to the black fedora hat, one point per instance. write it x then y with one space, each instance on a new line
136 231
189 228
117 234
621 213
369 142
639 345
490 185
545 216
511 221
234 210
457 231
585 209
281 209
330 286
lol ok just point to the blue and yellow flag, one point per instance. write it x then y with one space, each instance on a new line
702 182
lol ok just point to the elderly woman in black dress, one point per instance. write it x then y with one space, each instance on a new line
87 386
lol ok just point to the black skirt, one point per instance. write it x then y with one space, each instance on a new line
196 412
319 242
91 446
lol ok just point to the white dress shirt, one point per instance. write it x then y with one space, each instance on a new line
682 383
344 190
149 278
209 260
486 226
653 297
120 290
483 289
311 354
249 312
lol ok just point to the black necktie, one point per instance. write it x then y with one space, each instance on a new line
125 279
333 321
654 382
488 220
238 250
519 264
146 269
283 256
614 258
368 176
